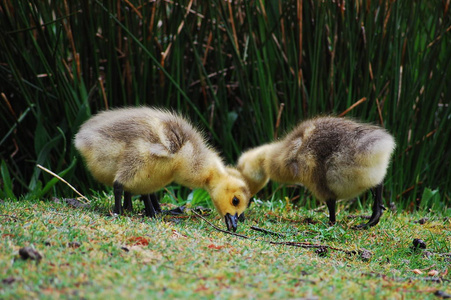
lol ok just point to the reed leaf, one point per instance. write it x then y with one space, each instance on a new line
246 72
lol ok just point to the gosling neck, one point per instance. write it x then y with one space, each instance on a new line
215 173
255 171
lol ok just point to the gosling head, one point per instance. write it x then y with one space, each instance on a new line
231 197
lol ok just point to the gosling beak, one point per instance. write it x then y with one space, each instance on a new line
231 221
241 217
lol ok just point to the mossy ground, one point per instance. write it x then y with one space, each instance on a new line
87 253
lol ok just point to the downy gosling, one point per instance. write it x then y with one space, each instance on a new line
141 150
335 158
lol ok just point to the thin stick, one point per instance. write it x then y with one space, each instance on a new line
179 29
70 37
352 107
235 37
409 189
102 88
267 231
60 178
294 244
207 48
299 6
197 14
223 71
418 142
9 106
438 38
279 115
379 275
138 13
217 228
379 111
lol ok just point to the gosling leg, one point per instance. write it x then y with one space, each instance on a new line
331 206
148 206
378 208
155 203
128 206
118 189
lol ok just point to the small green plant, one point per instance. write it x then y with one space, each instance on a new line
431 199
6 190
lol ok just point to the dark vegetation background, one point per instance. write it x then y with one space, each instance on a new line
246 71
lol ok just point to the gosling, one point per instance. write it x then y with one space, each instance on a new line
335 158
141 150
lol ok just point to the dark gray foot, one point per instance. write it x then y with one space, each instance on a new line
331 206
118 190
175 211
155 203
128 206
377 209
148 206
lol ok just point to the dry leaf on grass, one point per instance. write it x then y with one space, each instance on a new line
138 241
215 247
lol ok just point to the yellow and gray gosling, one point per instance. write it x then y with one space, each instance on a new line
335 158
141 150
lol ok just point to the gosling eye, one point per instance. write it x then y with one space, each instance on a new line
235 201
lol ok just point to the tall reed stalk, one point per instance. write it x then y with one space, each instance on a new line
246 71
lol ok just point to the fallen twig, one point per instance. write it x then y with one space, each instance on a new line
400 279
267 231
306 245
217 228
60 178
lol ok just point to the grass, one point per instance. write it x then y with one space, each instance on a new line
87 253
230 67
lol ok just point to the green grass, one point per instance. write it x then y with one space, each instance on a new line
230 67
184 257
